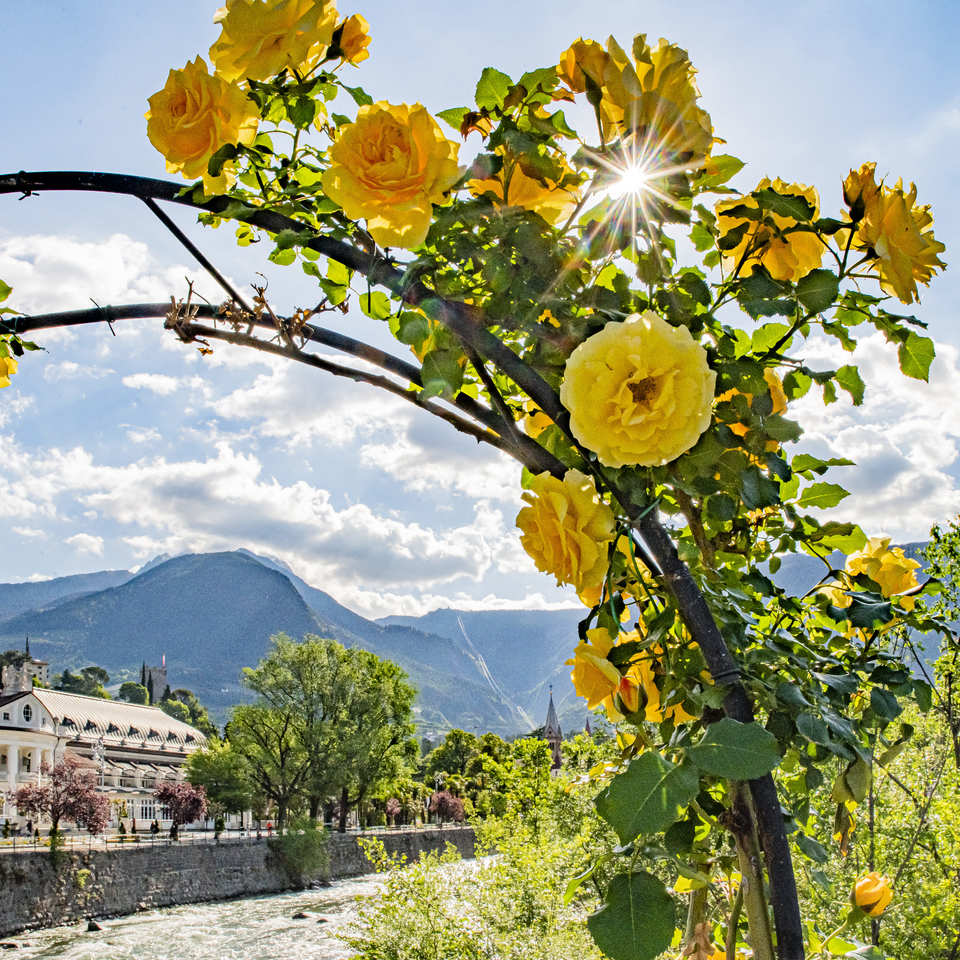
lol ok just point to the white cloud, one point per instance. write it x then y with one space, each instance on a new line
143 434
159 383
86 543
70 370
28 532
903 439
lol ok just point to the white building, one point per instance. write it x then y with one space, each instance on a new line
130 748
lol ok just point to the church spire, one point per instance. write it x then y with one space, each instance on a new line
26 648
552 733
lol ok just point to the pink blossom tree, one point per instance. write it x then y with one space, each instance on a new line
185 802
68 793
446 806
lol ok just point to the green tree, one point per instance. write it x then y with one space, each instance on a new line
266 738
133 693
378 735
184 705
313 682
453 755
225 774
90 681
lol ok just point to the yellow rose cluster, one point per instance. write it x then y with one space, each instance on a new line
390 166
893 230
196 113
891 569
786 256
513 187
566 528
633 692
650 96
639 392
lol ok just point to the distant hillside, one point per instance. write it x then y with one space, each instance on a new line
212 614
17 597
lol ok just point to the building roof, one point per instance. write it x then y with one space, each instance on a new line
115 720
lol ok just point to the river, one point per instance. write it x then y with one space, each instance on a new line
258 928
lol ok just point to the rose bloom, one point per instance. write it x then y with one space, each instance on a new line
390 166
259 38
891 569
639 392
594 677
787 257
553 202
8 367
653 95
566 528
193 116
895 231
583 57
872 894
354 39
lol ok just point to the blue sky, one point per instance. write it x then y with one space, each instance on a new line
116 449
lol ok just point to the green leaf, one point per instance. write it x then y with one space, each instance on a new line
492 89
885 704
454 116
849 378
637 920
338 273
817 290
758 491
723 167
442 374
302 111
815 851
647 797
375 304
5 290
738 751
360 96
784 204
916 354
822 495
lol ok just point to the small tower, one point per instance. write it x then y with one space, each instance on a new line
552 733
586 727
154 679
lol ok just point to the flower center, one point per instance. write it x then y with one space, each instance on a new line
643 391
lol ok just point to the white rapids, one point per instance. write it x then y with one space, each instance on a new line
256 928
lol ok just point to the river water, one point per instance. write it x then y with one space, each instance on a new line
258 928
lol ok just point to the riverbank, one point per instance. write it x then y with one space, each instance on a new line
36 892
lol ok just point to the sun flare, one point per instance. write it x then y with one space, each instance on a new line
634 179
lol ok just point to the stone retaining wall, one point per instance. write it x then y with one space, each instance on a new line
101 883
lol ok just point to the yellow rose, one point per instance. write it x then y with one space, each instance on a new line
894 230
786 257
891 570
566 528
259 38
653 96
872 894
553 202
638 391
8 367
390 166
354 39
594 677
583 57
193 116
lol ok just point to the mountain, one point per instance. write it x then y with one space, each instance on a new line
211 614
17 597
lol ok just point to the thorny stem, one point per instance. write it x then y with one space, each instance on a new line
467 322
